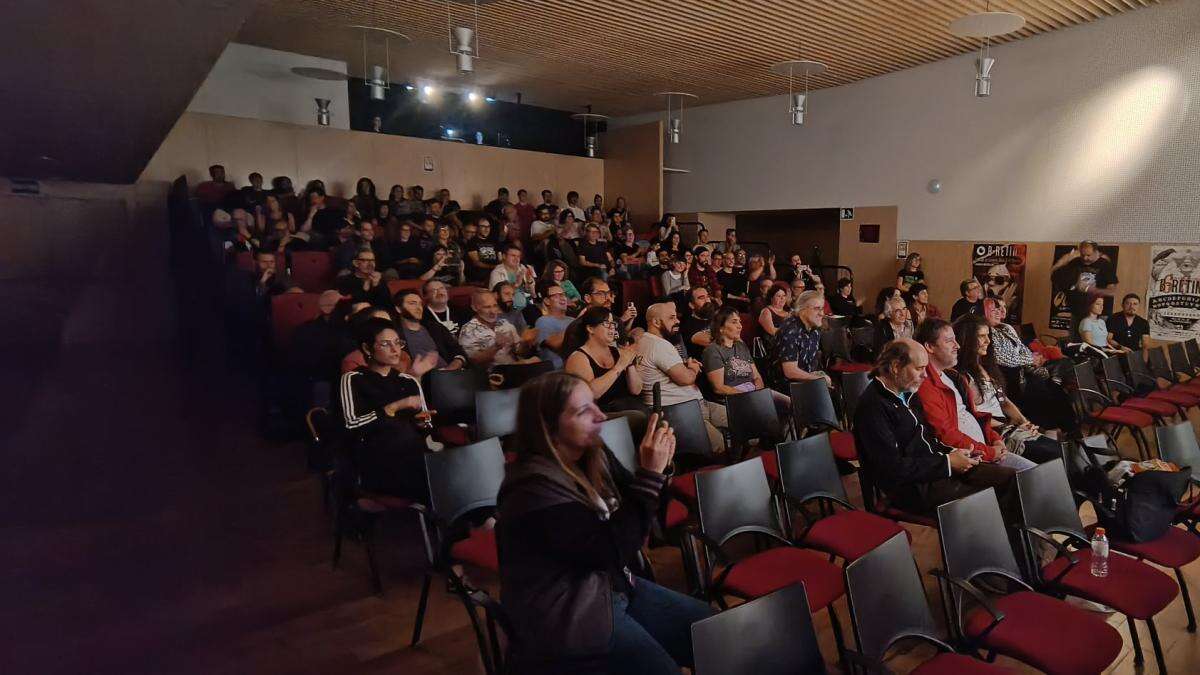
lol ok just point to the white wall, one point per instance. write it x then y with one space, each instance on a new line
1092 131
258 83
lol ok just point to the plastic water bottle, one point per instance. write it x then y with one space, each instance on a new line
1099 553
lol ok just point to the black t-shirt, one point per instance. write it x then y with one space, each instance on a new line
1077 279
1128 333
620 248
689 327
910 277
594 253
735 282
487 254
963 306
328 221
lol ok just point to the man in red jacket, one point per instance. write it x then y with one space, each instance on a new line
949 411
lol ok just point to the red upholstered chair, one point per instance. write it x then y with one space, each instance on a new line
313 270
1157 360
1144 379
638 292
783 637
289 310
656 287
1033 628
736 500
1101 413
1177 444
809 482
1132 587
463 485
750 328
244 261
1123 393
813 412
397 285
460 296
888 606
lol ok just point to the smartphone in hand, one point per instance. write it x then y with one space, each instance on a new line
656 393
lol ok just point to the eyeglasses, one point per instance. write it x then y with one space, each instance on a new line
610 325
385 344
602 294
555 295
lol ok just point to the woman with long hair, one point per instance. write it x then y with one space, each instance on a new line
610 371
910 273
1094 331
571 521
984 382
365 199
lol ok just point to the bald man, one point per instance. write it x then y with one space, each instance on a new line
900 453
662 364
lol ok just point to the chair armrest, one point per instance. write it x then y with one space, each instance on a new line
976 595
864 663
809 521
1072 561
1120 386
1092 392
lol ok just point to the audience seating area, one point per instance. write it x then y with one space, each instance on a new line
782 522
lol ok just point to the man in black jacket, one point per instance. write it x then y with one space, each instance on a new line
902 457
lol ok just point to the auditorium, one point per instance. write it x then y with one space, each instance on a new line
539 337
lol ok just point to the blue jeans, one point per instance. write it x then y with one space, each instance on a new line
652 630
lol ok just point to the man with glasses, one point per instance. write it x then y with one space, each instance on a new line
365 284
971 301
597 293
798 342
552 326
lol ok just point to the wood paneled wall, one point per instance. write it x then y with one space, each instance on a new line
947 263
874 265
340 157
633 161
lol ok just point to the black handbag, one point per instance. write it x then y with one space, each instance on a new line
1142 507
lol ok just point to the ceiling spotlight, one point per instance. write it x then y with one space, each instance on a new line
428 90
797 94
451 132
472 97
409 87
986 25
490 99
675 116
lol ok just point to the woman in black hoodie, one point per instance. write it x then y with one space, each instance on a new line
570 524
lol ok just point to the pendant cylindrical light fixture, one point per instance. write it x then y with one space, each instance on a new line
378 77
323 111
464 49
674 125
985 25
798 73
591 130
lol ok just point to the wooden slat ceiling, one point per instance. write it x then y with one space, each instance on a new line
612 54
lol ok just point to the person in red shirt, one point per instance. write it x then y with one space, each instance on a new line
951 415
525 210
702 274
213 192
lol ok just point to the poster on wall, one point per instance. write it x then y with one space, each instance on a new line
1000 269
1173 297
1074 276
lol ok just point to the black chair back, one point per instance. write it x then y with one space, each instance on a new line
853 385
807 469
619 439
1088 396
1177 444
1135 363
973 537
812 405
1028 333
1192 347
1046 500
1179 359
835 342
496 412
1157 360
517 374
452 393
734 500
887 599
1115 374
771 635
691 437
464 479
752 415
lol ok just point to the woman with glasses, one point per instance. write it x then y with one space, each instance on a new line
383 410
610 371
910 273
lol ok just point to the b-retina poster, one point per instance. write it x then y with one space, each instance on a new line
1076 278
1000 269
1173 296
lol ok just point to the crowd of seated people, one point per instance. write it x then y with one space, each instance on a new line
951 408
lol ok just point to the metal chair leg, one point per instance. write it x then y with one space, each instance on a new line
369 544
1158 652
837 633
480 639
421 605
1187 601
1138 659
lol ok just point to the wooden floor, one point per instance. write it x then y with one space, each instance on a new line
150 530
